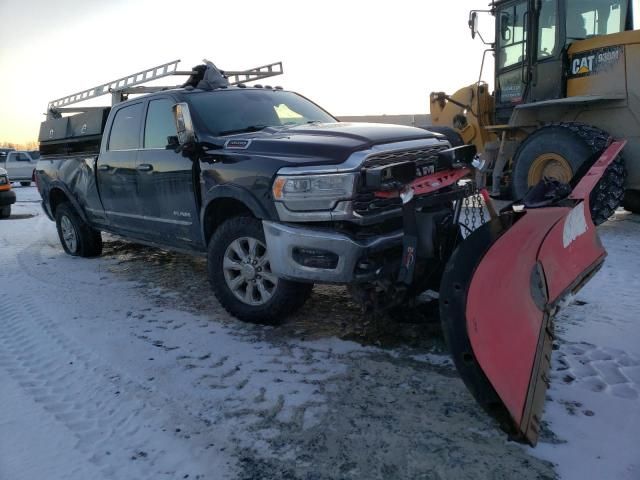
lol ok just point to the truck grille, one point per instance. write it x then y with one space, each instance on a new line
421 156
365 203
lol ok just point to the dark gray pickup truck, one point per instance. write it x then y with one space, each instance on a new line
280 195
265 182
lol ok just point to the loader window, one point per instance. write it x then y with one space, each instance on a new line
512 35
547 29
594 17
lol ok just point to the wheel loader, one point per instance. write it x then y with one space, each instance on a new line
567 77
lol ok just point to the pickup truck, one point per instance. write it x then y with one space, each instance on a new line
263 181
279 195
19 165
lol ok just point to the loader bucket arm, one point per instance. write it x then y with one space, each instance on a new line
500 291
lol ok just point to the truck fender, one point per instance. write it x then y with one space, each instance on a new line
234 192
57 185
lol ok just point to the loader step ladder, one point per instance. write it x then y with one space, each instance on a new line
121 87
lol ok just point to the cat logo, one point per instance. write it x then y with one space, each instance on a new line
582 65
596 61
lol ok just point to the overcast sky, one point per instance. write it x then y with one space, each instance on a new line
351 57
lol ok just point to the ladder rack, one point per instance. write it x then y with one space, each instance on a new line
119 84
130 84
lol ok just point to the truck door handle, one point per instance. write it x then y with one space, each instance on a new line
104 167
145 167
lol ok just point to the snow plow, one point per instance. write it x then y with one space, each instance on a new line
502 285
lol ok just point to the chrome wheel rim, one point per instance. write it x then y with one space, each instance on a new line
247 271
69 235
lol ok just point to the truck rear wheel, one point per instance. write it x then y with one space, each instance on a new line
241 277
76 236
25 184
561 151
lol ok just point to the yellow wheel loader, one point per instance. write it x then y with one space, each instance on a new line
567 79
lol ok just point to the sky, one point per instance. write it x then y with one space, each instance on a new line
351 57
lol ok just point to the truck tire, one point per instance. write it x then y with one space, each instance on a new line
632 201
5 212
453 137
560 151
76 236
25 184
241 278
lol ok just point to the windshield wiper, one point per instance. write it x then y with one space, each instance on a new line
250 128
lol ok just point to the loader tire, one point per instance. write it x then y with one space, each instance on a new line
76 236
242 280
632 201
565 151
5 212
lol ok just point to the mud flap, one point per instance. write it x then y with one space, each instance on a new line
499 292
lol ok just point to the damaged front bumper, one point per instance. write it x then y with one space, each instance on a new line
318 255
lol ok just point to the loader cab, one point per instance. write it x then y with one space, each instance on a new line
531 41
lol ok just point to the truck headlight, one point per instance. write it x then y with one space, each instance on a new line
313 192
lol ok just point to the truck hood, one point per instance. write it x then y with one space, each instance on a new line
320 143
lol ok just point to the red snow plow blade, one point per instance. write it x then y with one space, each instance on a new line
500 291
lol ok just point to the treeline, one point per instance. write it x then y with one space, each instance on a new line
31 145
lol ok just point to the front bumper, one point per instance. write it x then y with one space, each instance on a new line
283 240
7 197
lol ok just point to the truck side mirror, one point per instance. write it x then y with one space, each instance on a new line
473 23
184 124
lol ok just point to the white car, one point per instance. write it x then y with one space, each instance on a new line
19 165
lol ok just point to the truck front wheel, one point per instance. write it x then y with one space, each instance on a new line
240 275
76 236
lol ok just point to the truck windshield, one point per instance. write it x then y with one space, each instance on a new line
595 17
231 111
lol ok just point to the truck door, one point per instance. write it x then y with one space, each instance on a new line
117 175
166 180
512 57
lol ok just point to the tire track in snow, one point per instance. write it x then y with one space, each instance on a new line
124 428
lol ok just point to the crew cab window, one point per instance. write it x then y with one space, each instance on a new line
512 35
228 111
125 131
595 17
547 45
159 124
21 157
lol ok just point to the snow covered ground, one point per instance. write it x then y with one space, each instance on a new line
126 367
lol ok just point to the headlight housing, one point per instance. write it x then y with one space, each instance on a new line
313 192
